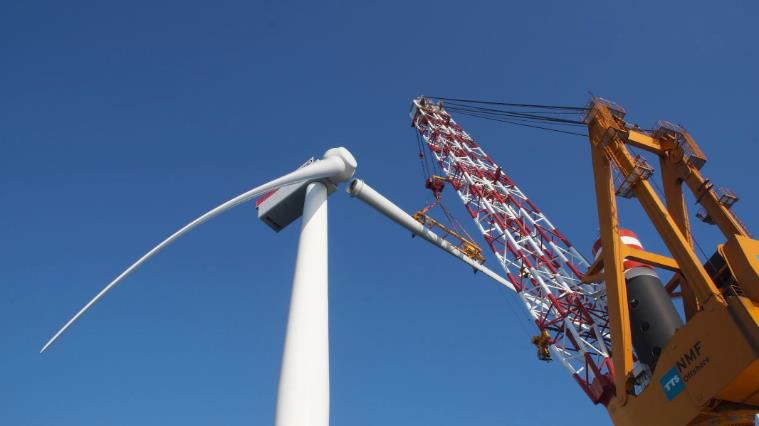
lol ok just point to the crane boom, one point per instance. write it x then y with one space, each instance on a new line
538 260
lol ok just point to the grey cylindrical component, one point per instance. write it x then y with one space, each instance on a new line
653 318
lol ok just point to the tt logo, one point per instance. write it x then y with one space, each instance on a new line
671 383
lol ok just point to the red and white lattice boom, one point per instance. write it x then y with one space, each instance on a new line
539 261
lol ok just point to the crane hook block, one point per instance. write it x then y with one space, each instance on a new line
436 184
542 343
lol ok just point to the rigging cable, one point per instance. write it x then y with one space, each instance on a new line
544 119
524 124
515 114
511 104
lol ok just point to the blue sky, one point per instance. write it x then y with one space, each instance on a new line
120 122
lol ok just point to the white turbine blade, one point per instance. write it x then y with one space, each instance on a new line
328 167
361 190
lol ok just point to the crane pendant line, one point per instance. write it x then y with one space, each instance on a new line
537 259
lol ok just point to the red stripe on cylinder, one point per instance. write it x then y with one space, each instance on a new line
629 239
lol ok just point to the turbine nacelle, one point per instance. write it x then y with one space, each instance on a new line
280 207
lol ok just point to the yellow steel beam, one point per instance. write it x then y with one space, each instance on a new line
722 217
644 141
673 283
595 268
673 194
593 278
594 273
650 258
613 275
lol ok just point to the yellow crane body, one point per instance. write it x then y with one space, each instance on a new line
710 367
708 372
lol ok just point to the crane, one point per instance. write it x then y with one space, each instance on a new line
610 322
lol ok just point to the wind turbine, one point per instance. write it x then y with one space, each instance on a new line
303 394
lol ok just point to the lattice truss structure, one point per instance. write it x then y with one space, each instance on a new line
541 263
